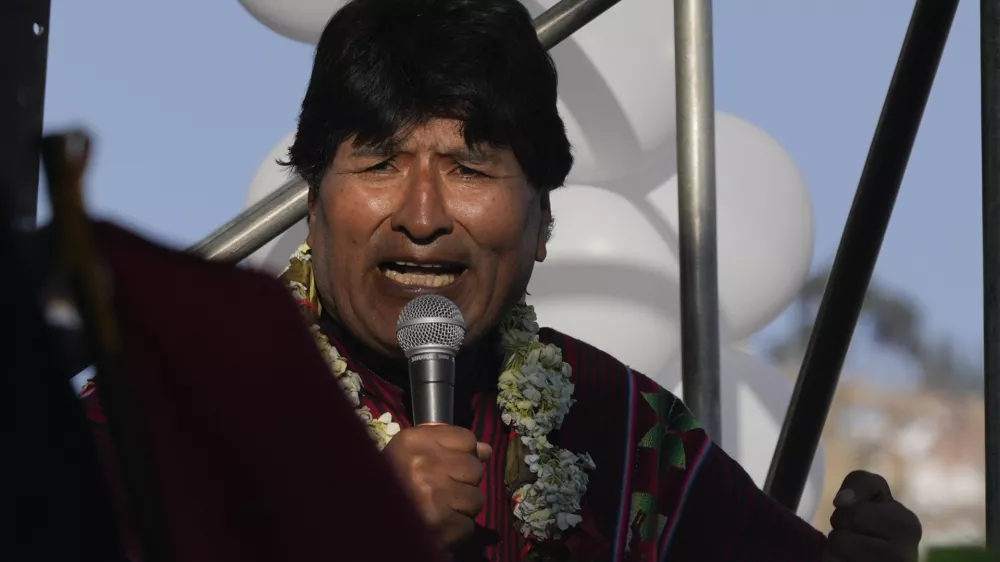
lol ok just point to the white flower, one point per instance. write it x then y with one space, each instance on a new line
533 355
351 383
299 290
391 427
514 338
302 253
566 520
551 356
339 366
567 371
382 429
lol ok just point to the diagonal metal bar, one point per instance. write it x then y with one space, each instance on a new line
287 205
859 247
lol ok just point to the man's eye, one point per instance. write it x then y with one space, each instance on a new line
381 167
468 172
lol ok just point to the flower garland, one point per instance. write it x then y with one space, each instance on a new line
535 394
300 280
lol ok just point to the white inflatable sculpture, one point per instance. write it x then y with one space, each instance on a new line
301 20
612 274
622 63
614 255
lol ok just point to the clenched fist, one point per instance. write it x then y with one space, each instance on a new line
870 526
442 466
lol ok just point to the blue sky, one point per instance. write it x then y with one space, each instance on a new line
186 97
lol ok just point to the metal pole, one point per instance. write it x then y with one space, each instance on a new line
859 246
258 225
699 284
279 211
565 18
24 44
990 106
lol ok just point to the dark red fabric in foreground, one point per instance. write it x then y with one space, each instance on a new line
257 454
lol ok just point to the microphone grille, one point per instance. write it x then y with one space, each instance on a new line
430 320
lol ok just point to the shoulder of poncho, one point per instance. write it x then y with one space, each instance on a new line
587 359
599 375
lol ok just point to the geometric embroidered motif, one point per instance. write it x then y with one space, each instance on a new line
672 416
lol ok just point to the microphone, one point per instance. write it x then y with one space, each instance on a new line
430 330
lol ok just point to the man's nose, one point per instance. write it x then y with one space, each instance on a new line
422 215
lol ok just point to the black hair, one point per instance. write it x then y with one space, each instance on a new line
383 66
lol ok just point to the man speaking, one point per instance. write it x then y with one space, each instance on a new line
430 140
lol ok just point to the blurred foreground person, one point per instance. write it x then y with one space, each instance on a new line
251 449
430 139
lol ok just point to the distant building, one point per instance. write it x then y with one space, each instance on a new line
929 446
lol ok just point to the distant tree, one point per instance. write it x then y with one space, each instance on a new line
896 323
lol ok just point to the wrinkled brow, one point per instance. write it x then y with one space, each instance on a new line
386 149
474 155
379 150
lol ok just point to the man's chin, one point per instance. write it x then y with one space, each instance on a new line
381 340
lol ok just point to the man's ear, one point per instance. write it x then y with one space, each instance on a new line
311 216
545 228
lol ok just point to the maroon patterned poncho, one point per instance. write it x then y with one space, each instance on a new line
259 458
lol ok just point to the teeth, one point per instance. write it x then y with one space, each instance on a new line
420 279
411 264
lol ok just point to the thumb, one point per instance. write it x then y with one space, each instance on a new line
483 451
861 486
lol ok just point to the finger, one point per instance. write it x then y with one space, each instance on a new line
453 437
851 546
456 528
464 499
484 451
862 486
889 520
463 468
842 518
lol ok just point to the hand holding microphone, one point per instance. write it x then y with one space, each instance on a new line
442 465
439 463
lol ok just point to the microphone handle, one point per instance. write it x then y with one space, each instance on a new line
432 388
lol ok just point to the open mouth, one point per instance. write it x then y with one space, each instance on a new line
422 274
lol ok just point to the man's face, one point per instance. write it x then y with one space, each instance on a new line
430 215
